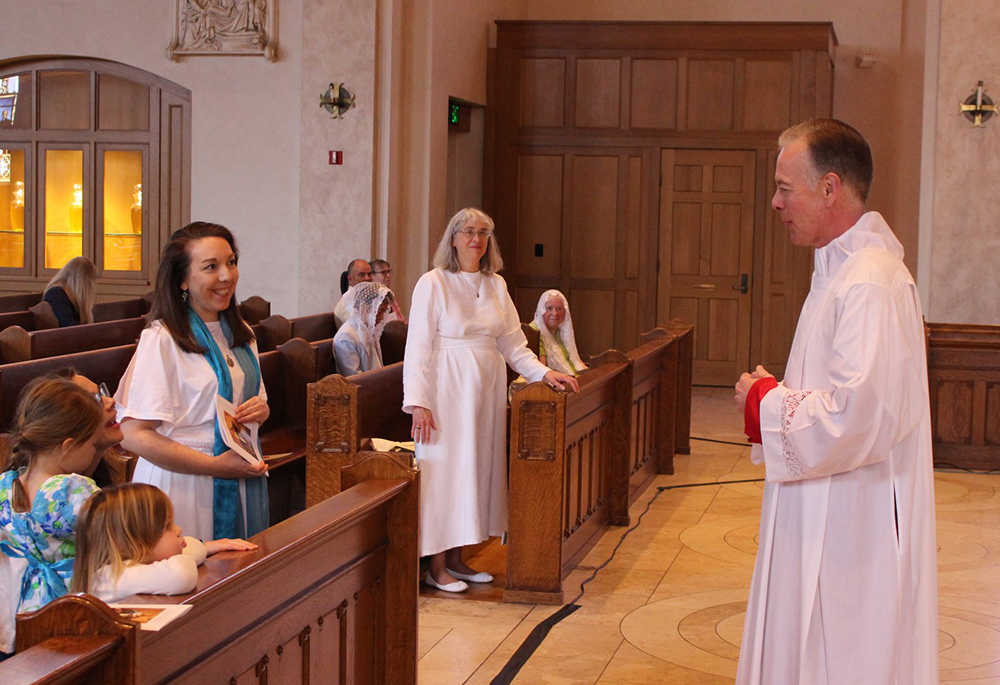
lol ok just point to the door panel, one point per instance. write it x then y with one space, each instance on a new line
706 255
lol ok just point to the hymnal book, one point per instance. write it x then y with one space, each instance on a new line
151 616
240 437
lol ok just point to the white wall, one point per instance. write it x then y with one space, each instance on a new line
245 119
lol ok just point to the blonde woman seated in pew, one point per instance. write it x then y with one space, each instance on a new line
463 329
197 347
128 544
70 293
557 341
356 347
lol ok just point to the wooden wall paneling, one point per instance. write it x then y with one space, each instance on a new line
175 164
627 320
653 94
767 95
991 427
807 86
542 92
711 85
824 85
65 99
593 216
796 115
539 214
122 104
633 218
682 93
526 300
598 93
625 76
739 97
593 319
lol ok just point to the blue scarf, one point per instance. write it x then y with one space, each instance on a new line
226 506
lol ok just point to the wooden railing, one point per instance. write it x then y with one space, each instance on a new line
329 596
963 369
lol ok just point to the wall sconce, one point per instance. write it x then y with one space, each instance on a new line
336 100
978 107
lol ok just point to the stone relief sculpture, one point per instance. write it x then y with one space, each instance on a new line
224 27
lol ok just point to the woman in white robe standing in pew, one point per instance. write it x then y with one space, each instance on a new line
356 347
463 328
197 347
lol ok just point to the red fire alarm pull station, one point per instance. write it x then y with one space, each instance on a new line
336 156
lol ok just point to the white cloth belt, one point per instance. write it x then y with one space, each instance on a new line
463 343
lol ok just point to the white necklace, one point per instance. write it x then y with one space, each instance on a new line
467 279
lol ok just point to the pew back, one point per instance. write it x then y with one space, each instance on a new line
314 327
121 309
568 476
19 302
963 374
17 344
340 601
101 366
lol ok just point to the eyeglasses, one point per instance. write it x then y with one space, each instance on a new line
102 392
469 233
387 272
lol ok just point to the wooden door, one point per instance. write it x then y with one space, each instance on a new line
706 255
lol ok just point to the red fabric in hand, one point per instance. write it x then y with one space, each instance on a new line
751 411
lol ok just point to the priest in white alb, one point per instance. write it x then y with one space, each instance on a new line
844 590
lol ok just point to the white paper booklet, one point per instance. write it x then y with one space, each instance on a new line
151 616
241 437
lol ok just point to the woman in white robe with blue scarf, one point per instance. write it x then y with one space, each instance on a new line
196 347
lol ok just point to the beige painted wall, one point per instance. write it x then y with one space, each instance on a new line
964 284
245 123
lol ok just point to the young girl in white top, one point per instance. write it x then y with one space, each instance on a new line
128 544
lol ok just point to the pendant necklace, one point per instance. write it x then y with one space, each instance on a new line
469 283
229 360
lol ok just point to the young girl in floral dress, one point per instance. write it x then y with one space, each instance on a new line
54 439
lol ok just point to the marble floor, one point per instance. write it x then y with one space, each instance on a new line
669 608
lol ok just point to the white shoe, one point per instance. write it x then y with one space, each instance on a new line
481 577
457 586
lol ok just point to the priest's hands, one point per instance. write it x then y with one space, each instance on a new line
423 424
746 382
559 381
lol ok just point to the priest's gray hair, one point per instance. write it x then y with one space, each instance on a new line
446 256
836 147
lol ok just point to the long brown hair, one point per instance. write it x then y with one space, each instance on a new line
175 266
117 527
77 278
50 410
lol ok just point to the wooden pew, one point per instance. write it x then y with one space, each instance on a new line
121 309
101 366
341 413
17 344
963 374
684 333
36 318
569 476
329 596
19 302
314 327
255 309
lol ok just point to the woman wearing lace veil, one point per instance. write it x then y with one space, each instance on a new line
557 342
356 346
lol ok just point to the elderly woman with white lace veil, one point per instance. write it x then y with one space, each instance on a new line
356 346
557 342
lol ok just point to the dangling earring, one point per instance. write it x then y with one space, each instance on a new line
184 296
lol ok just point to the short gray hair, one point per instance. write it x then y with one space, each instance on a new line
446 256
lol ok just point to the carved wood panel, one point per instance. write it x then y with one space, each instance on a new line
537 433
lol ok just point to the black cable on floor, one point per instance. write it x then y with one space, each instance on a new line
537 636
722 442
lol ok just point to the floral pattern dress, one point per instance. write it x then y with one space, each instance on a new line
45 536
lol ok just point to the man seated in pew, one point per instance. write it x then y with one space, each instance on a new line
557 341
463 328
196 347
382 273
356 347
358 271
70 293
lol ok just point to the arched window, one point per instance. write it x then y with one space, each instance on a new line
95 160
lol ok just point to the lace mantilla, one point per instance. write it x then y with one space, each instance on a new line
789 405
